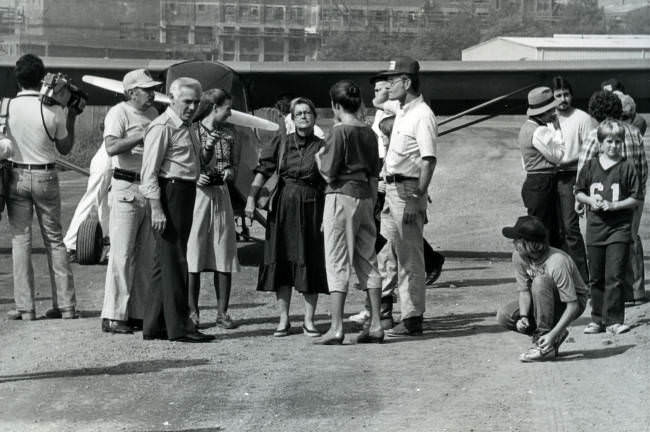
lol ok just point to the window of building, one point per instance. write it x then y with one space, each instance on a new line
357 16
296 15
249 13
274 14
229 13
177 34
203 35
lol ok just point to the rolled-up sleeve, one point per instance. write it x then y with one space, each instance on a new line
334 154
156 140
425 135
268 158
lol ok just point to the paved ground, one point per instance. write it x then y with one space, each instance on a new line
462 375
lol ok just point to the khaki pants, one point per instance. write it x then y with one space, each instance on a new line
350 233
130 262
402 258
38 190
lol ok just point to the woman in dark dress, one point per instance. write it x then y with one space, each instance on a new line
293 251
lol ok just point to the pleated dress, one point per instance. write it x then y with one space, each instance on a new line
293 250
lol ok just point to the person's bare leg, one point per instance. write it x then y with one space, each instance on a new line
374 298
193 290
222 284
335 333
284 302
310 310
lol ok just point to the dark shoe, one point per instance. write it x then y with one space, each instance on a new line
162 336
366 337
54 313
13 315
329 340
225 322
407 327
282 332
310 333
432 276
135 324
105 325
118 327
196 337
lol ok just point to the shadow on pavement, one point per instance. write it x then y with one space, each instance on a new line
593 354
126 368
472 282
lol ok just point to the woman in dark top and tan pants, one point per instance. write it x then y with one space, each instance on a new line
293 251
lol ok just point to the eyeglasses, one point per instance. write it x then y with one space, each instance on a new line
303 113
392 82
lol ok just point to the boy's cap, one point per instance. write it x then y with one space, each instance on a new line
527 228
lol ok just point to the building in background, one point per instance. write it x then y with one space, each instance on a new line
560 47
229 30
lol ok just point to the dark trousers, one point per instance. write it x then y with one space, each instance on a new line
569 223
167 305
547 308
607 272
539 194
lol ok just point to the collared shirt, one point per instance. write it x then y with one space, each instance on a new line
413 138
27 129
575 127
223 142
124 120
298 161
171 150
632 150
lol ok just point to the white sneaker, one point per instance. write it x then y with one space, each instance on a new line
361 317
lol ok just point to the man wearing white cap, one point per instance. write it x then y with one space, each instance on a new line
132 243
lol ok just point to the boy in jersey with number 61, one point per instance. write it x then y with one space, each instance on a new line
609 185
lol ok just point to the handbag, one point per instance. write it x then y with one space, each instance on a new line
266 194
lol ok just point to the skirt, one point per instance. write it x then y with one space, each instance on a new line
293 252
212 245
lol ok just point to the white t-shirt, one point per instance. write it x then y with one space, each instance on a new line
575 129
413 138
124 120
27 128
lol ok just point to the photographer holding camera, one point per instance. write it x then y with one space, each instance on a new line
39 127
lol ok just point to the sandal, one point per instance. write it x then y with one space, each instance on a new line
536 354
282 332
618 328
593 328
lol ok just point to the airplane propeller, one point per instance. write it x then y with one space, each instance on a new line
237 118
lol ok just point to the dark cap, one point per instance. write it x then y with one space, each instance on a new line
527 228
399 66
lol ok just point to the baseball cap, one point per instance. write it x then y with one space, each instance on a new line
527 228
540 100
399 66
139 78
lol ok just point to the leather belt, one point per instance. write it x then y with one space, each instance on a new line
398 178
176 180
48 166
126 175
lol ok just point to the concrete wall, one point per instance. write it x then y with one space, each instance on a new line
499 50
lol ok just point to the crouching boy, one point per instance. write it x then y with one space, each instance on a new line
551 292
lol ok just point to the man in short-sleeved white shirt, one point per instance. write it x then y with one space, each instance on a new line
409 165
38 132
130 264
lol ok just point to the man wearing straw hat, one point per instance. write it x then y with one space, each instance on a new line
542 149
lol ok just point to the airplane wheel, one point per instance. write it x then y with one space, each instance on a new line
90 242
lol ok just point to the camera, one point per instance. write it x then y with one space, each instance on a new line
57 89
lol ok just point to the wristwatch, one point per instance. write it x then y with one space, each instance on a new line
415 195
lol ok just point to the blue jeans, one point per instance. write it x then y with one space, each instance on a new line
607 271
38 190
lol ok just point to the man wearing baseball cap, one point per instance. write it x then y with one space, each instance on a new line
409 164
130 263
551 291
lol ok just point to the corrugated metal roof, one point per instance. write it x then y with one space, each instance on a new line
617 42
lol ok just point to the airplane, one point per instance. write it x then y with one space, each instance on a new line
482 88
